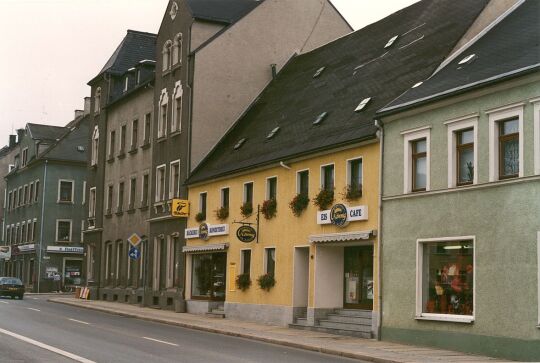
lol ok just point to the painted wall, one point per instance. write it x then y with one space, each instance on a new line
201 31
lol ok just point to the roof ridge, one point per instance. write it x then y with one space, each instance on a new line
141 32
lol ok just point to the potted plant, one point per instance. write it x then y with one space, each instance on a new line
352 192
266 281
246 209
324 199
269 208
243 282
299 203
222 213
199 217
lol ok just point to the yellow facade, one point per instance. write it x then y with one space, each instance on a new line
286 231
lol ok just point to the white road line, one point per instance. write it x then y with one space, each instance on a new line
47 347
160 341
79 321
4 302
35 298
33 309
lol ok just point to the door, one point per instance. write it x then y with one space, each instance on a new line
208 276
358 274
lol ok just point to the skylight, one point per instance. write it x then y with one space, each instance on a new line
318 72
362 104
239 143
272 133
468 59
417 84
391 41
320 118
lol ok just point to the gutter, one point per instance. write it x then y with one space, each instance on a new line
379 125
42 224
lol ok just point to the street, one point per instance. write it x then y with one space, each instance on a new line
35 330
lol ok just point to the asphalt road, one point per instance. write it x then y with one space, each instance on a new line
34 330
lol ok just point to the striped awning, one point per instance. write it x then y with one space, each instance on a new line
205 248
342 237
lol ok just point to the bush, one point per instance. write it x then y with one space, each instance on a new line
243 282
222 213
353 192
299 203
269 208
266 282
324 199
199 217
246 209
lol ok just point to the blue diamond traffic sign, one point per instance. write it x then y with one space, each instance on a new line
134 253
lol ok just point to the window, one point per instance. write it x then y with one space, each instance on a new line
63 230
95 146
25 194
174 183
177 49
31 195
123 135
145 188
97 100
110 191
108 263
271 188
65 191
92 203
19 196
176 124
160 183
354 177
536 118
83 193
445 279
208 276
134 134
248 193
162 120
37 190
418 162
462 151
24 157
166 53
9 200
90 262
112 143
465 156
119 259
24 232
132 192
202 204
270 261
225 198
245 262
120 204
327 177
147 128
506 142
170 262
8 236
416 159
126 83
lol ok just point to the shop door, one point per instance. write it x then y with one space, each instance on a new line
209 276
73 273
358 283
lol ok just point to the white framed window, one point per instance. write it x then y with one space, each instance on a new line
92 203
355 175
132 192
145 185
245 261
166 56
120 199
112 144
97 100
170 263
160 182
536 120
176 122
327 177
163 110
147 128
126 83
134 134
123 137
174 182
416 159
462 150
248 193
505 142
445 279
66 191
34 229
19 196
64 230
225 195
24 157
271 187
270 260
95 147
203 197
177 49
110 191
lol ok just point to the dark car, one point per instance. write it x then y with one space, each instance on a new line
12 287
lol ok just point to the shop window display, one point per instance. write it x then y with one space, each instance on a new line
447 278
208 276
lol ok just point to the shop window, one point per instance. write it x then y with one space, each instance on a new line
72 273
245 262
302 182
270 261
509 148
271 188
65 191
63 230
225 198
174 183
446 279
327 177
208 276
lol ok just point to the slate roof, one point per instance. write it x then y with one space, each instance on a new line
45 132
135 47
66 147
223 11
511 48
357 66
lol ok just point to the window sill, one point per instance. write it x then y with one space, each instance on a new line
146 145
166 72
110 159
93 166
175 133
119 213
131 210
145 208
467 319
122 155
108 215
177 66
64 202
133 151
161 138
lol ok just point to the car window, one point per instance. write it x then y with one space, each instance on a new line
16 282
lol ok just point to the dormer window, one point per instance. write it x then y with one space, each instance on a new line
97 100
177 49
167 55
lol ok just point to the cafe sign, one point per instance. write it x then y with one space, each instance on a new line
246 234
205 231
340 215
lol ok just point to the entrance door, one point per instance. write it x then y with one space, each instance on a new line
208 276
358 284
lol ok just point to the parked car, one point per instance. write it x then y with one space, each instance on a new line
12 287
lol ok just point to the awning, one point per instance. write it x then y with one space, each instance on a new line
205 248
342 237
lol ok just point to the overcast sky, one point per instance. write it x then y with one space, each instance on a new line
50 49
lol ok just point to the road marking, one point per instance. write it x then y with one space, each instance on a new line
160 341
4 302
79 321
46 346
33 309
35 298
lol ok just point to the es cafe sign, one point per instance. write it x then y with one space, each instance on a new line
340 215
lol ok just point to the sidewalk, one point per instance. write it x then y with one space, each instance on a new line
350 347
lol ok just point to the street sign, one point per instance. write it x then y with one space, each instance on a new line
180 208
134 239
134 253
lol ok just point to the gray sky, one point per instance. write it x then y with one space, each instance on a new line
52 48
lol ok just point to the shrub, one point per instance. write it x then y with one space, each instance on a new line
353 192
266 281
324 199
269 208
299 203
199 217
243 281
222 213
246 209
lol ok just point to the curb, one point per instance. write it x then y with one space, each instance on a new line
307 347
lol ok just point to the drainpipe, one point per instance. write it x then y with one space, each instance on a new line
380 131
42 224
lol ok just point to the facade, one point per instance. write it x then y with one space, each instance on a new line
461 206
7 163
202 85
310 139
45 199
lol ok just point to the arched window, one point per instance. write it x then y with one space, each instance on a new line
176 121
177 49
167 55
162 120
97 100
95 146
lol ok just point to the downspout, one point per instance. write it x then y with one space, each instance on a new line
380 131
42 224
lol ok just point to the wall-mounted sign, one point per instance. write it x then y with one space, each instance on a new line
340 215
180 208
246 234
5 252
65 249
24 248
208 230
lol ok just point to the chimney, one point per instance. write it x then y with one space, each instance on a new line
87 103
78 113
20 134
12 140
274 71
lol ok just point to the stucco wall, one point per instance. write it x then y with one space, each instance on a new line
201 31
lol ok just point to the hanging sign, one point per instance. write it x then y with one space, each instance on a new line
180 208
205 231
246 234
340 215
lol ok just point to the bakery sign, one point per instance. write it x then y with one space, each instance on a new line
340 215
205 231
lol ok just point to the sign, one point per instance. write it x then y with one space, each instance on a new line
246 234
134 239
208 230
338 211
24 248
134 253
63 249
5 252
180 208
